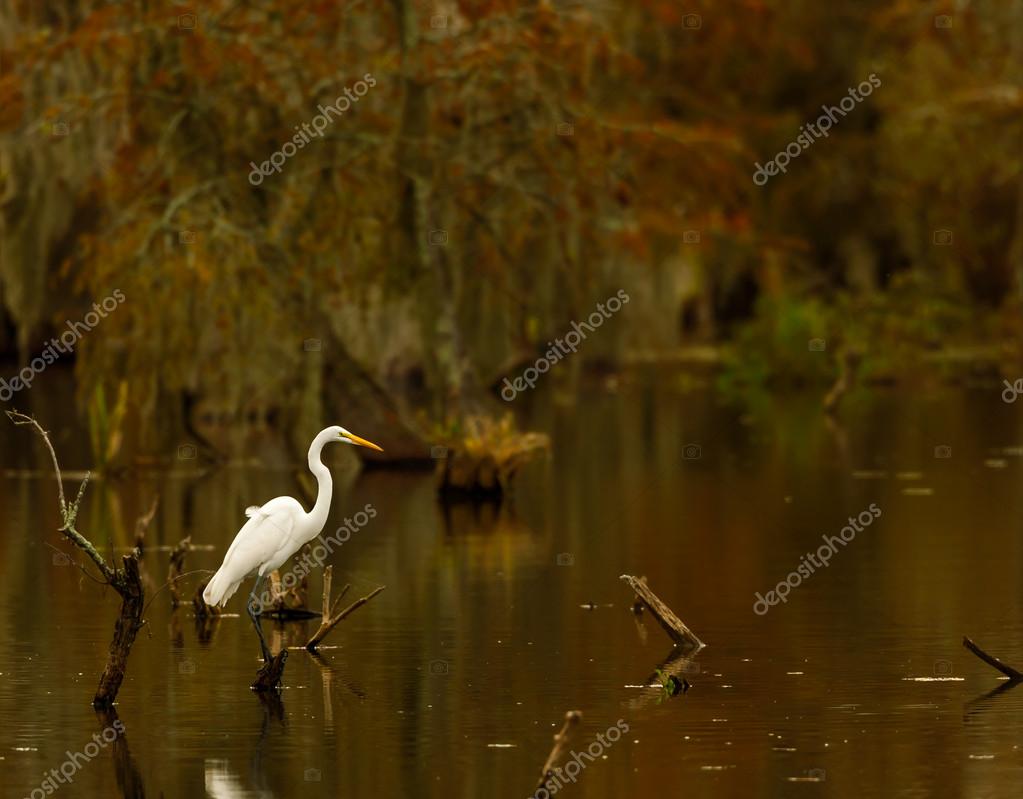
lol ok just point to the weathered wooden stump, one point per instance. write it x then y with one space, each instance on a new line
269 676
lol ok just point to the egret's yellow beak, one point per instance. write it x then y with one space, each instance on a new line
363 442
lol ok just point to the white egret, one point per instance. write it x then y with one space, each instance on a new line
275 532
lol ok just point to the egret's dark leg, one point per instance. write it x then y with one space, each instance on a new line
255 609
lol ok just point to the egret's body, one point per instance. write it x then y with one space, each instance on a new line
276 531
273 533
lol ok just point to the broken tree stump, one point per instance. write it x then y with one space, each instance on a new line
672 624
206 618
177 565
561 741
142 524
1013 675
128 584
331 618
269 676
199 606
482 463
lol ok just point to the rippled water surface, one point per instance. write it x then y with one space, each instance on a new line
495 623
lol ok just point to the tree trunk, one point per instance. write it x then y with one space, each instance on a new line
354 396
424 238
129 585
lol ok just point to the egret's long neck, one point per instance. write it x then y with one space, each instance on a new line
318 515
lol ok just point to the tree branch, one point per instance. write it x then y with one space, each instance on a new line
329 620
561 740
68 513
672 624
992 661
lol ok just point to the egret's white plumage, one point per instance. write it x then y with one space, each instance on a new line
277 530
265 541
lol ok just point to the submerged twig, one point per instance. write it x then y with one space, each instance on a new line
177 563
991 660
561 741
672 624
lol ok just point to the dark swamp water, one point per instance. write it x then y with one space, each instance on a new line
453 680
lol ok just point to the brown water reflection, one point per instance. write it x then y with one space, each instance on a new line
452 681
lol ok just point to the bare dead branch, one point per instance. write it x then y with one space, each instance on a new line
177 563
143 522
68 513
561 742
331 618
672 624
992 661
